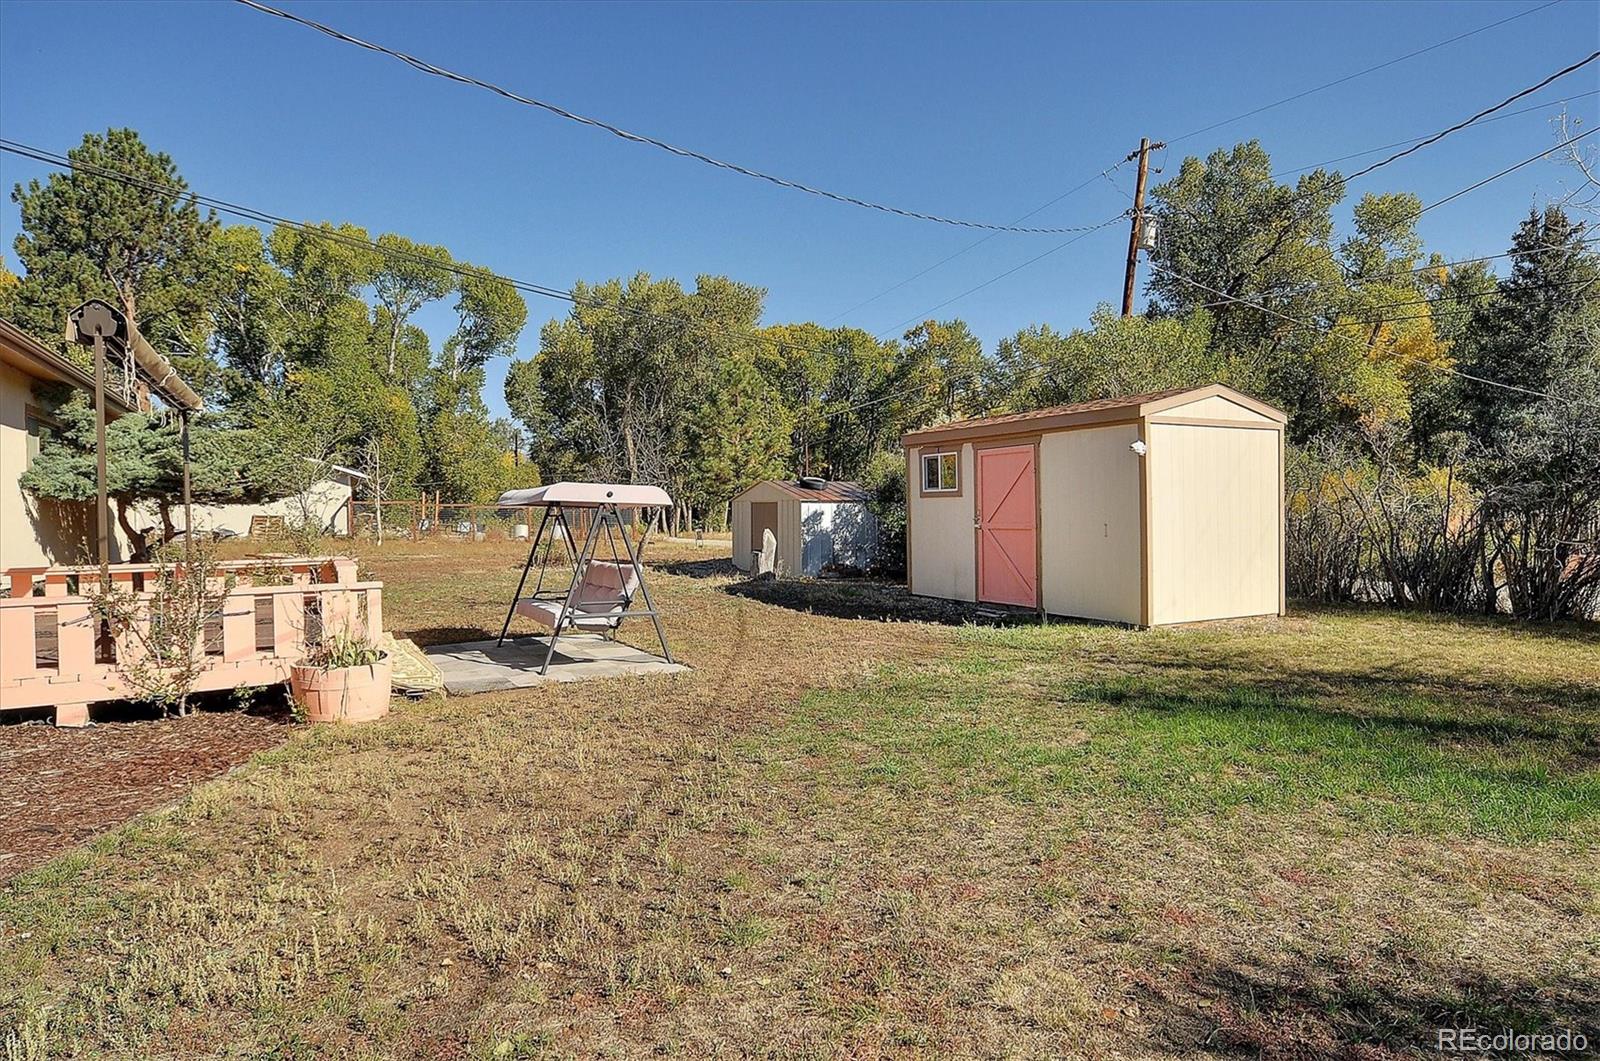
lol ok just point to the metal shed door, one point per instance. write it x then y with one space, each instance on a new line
1008 527
763 517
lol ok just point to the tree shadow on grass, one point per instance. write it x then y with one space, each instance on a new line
714 567
1431 712
1421 766
875 600
1319 1006
1577 631
1455 703
428 636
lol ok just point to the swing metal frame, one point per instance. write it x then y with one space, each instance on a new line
607 517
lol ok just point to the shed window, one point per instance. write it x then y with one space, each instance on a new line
939 473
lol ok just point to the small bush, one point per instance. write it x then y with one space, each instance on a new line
885 482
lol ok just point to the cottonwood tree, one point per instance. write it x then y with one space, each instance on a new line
615 383
410 276
251 315
944 374
1114 356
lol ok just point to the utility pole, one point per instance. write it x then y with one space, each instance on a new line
1143 155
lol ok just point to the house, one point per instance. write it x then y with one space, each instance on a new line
54 654
35 532
818 523
1147 510
325 503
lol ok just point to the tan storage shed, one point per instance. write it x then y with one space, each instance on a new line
1150 509
817 523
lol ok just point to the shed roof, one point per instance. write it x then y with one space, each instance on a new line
831 490
1101 410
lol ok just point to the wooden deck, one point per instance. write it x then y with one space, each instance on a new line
53 655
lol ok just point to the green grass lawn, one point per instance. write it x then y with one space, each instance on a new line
1325 835
1416 741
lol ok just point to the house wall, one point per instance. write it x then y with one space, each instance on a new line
841 532
943 546
1089 514
34 532
1215 521
788 532
326 502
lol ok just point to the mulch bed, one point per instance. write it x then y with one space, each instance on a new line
59 787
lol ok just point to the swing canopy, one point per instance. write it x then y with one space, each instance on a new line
588 495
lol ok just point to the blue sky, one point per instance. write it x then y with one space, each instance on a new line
974 111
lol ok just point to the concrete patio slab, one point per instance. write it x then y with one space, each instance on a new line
481 667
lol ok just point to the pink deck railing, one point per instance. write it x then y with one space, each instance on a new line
50 655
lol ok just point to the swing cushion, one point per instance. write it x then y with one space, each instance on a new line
605 593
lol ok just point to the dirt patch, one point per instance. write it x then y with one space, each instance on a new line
872 599
59 787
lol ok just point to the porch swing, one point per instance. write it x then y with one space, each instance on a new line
601 593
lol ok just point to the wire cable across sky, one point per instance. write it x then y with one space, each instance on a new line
640 138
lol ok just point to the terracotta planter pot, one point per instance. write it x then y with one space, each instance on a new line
343 694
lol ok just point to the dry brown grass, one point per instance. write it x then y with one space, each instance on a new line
850 837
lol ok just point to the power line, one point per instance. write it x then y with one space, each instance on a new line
1360 73
637 138
995 279
335 236
1416 139
1392 274
260 216
1106 173
1341 182
1458 126
1432 301
1509 169
1332 257
1292 205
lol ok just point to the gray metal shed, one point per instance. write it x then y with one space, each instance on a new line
816 522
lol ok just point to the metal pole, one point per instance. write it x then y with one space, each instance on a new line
578 571
533 549
1143 155
102 499
644 591
188 510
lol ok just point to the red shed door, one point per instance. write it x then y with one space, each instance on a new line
1008 527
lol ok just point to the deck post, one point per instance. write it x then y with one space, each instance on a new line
72 716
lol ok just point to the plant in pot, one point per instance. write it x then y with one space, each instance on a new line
343 679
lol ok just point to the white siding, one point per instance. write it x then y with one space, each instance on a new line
836 532
1215 407
1089 523
325 505
943 543
1214 522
